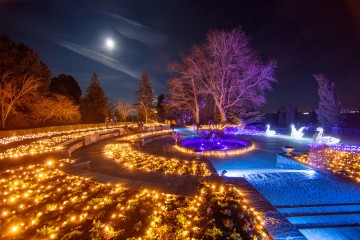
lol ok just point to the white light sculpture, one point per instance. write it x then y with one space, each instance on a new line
327 140
269 132
296 133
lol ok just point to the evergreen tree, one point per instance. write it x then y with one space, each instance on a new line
94 105
22 60
160 108
329 105
24 79
145 99
68 86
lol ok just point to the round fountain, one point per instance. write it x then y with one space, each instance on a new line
213 142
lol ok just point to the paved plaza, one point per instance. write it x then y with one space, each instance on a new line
319 205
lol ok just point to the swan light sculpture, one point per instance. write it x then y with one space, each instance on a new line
269 132
327 140
296 133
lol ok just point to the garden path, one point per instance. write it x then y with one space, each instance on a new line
103 169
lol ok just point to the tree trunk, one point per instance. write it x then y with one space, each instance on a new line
5 114
197 117
222 115
221 112
197 113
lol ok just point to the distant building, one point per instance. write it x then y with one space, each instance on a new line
349 110
287 115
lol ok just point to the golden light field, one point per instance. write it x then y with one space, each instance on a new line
42 202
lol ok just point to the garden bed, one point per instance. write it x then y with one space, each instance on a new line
44 203
124 154
339 162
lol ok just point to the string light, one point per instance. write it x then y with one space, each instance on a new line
269 132
296 133
43 202
68 202
333 159
48 144
125 154
326 140
215 153
241 130
7 140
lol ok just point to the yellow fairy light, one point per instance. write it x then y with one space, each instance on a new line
125 154
340 162
14 228
75 203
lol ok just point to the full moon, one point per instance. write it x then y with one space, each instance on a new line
109 43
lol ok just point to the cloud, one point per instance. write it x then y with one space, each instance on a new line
137 31
98 57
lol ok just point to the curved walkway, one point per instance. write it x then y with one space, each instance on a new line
104 169
91 163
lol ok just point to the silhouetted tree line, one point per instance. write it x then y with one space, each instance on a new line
221 80
30 97
26 98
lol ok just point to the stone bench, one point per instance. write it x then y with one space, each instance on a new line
75 147
151 138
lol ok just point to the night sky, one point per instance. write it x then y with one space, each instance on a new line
305 37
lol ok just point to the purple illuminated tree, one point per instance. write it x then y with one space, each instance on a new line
235 76
186 90
227 69
329 105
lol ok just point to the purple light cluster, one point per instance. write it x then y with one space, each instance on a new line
338 147
346 148
243 131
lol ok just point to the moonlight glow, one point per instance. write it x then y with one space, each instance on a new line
110 43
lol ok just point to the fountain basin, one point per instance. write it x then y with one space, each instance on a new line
227 146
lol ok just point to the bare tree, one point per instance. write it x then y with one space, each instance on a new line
234 75
57 109
123 109
145 110
13 88
186 91
329 105
226 68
